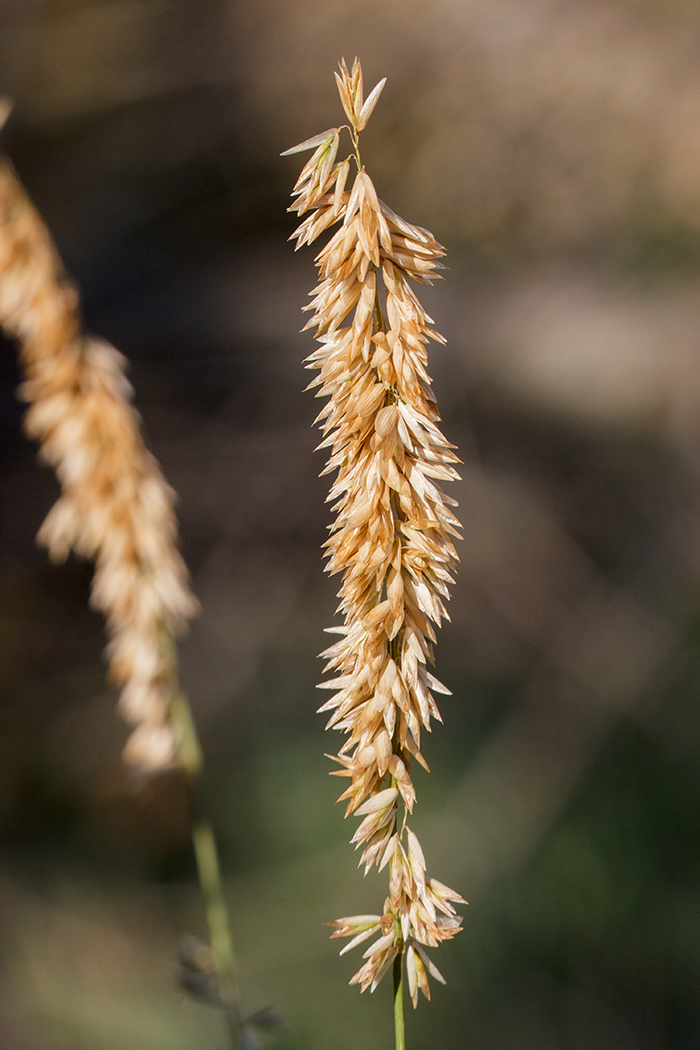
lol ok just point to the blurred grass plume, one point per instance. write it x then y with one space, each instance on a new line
115 506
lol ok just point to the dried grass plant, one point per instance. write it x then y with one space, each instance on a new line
115 508
392 536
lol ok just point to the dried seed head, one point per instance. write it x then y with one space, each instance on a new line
391 540
115 506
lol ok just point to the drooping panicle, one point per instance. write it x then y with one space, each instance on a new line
115 507
392 537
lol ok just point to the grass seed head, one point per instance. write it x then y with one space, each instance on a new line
391 538
115 506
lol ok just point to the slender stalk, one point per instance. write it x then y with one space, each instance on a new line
209 874
399 1030
220 938
116 508
189 751
356 146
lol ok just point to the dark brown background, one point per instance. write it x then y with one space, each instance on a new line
554 147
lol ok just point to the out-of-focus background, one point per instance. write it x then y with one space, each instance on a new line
554 147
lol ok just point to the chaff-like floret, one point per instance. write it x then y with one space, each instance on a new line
392 535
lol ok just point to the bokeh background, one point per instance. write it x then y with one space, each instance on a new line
554 147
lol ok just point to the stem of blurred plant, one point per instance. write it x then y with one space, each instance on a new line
220 938
116 508
399 1030
209 874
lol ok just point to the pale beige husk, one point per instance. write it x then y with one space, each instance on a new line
115 506
392 536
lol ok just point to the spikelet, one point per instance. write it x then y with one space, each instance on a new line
391 538
115 506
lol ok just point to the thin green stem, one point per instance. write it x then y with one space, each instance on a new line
209 873
399 1029
356 146
381 327
220 938
189 751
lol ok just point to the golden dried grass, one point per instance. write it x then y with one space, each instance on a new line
115 506
391 538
